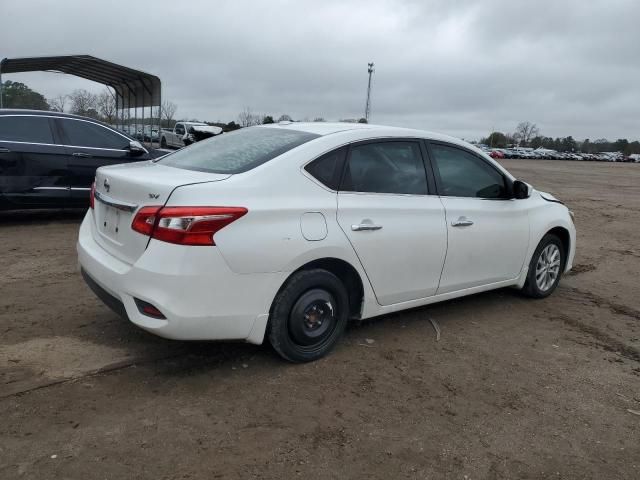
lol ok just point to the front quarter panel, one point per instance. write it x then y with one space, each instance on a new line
545 216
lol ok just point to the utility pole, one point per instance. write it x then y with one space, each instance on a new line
1 87
367 109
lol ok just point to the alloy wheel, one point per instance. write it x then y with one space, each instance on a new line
548 267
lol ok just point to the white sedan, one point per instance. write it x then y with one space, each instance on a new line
287 231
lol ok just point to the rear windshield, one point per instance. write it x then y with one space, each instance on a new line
237 151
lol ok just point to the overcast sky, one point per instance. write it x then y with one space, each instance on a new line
458 67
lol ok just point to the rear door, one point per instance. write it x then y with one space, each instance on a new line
89 146
395 226
488 230
33 163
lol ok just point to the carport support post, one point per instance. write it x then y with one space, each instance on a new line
1 88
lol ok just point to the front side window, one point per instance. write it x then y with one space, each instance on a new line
237 151
463 174
386 167
25 129
86 134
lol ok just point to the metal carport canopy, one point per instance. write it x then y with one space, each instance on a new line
133 87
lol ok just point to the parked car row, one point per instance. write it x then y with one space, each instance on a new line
546 154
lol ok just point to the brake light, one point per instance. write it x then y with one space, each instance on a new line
185 225
145 220
92 195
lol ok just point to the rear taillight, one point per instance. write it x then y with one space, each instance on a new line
92 195
185 225
145 220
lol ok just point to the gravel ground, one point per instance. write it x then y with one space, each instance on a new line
515 388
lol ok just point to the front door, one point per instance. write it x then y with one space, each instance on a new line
395 227
179 133
488 230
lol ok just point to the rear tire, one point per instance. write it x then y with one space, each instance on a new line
545 268
308 315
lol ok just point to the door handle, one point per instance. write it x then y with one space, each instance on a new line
81 155
365 226
5 150
462 222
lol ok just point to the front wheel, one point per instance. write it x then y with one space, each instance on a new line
163 143
545 268
308 315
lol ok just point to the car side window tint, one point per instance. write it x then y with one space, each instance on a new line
87 134
180 129
463 174
386 167
28 129
326 168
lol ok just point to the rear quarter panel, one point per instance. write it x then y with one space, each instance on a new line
269 237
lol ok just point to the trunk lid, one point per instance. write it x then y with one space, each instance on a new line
121 190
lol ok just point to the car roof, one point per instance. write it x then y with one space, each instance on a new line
42 113
328 128
49 113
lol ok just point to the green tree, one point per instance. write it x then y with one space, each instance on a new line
18 95
602 145
231 126
267 119
536 142
496 140
569 144
634 147
621 145
363 120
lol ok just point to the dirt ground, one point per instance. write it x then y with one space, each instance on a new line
515 388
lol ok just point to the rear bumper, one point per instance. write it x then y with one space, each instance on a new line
201 298
109 300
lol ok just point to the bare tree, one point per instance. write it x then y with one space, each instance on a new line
84 103
284 118
319 119
525 131
247 118
167 111
58 103
106 104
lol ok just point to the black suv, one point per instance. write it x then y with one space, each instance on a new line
49 159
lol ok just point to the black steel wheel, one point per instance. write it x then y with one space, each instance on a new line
308 315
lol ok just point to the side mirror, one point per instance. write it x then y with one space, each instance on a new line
520 190
136 149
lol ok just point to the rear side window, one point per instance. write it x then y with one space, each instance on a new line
463 174
238 151
386 167
87 134
327 168
25 129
